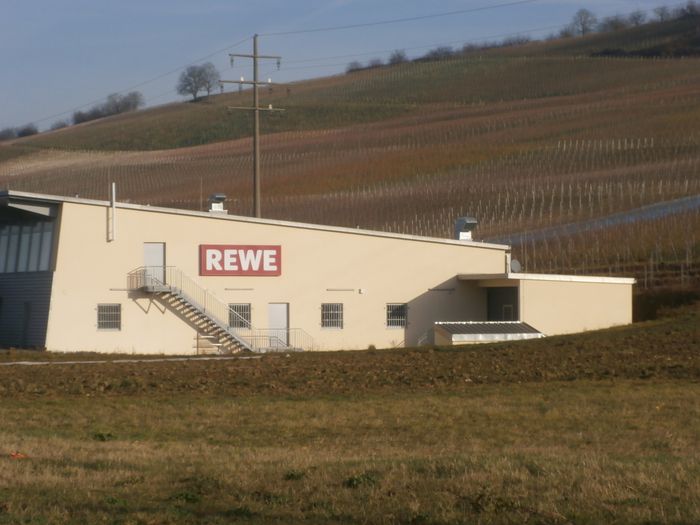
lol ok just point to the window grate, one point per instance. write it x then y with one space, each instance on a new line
239 315
397 315
109 316
332 315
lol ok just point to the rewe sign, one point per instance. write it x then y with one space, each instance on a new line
224 259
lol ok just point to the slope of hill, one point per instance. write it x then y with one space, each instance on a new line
523 138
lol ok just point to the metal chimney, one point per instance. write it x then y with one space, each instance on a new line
216 203
464 227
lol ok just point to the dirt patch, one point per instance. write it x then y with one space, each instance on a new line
663 349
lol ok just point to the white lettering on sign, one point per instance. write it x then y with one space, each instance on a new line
250 259
220 259
213 260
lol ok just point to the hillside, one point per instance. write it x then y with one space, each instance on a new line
523 138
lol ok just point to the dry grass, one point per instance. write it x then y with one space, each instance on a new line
489 434
579 452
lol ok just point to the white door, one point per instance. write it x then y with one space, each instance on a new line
278 323
154 261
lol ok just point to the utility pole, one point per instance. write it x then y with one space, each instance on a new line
257 212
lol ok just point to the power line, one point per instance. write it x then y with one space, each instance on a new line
475 41
428 46
145 82
400 20
334 28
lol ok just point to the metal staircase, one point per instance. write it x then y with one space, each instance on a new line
214 320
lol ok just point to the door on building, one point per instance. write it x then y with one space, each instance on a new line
502 304
278 323
154 262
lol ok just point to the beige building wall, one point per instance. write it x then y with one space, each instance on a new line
563 305
319 265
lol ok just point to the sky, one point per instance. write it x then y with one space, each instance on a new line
62 55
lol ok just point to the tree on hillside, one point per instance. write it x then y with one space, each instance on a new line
583 21
198 78
637 18
353 66
690 9
8 134
210 77
27 130
662 13
566 32
439 53
117 103
59 124
114 105
398 57
612 23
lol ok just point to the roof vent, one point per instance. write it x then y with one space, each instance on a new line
464 227
216 203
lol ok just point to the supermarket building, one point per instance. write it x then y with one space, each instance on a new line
106 276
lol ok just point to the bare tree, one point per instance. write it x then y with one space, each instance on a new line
375 62
690 9
637 18
518 40
398 57
566 32
612 23
662 13
210 77
194 79
584 21
439 53
27 130
114 105
8 134
190 82
353 66
59 124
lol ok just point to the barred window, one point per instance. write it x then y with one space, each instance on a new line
396 315
332 315
239 315
109 316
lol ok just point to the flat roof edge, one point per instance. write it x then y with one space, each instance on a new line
546 277
571 278
251 220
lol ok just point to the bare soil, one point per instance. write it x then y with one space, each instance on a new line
667 348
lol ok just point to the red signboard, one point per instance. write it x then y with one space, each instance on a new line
225 259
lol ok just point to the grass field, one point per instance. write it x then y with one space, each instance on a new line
592 428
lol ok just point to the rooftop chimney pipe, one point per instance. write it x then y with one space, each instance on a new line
464 227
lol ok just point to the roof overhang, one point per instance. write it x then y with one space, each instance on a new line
43 208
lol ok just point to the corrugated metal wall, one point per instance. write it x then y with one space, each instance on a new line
24 308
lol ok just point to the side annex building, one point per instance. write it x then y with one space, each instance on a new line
88 275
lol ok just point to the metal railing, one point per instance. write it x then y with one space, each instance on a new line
172 280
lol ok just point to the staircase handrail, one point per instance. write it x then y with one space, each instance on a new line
174 280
